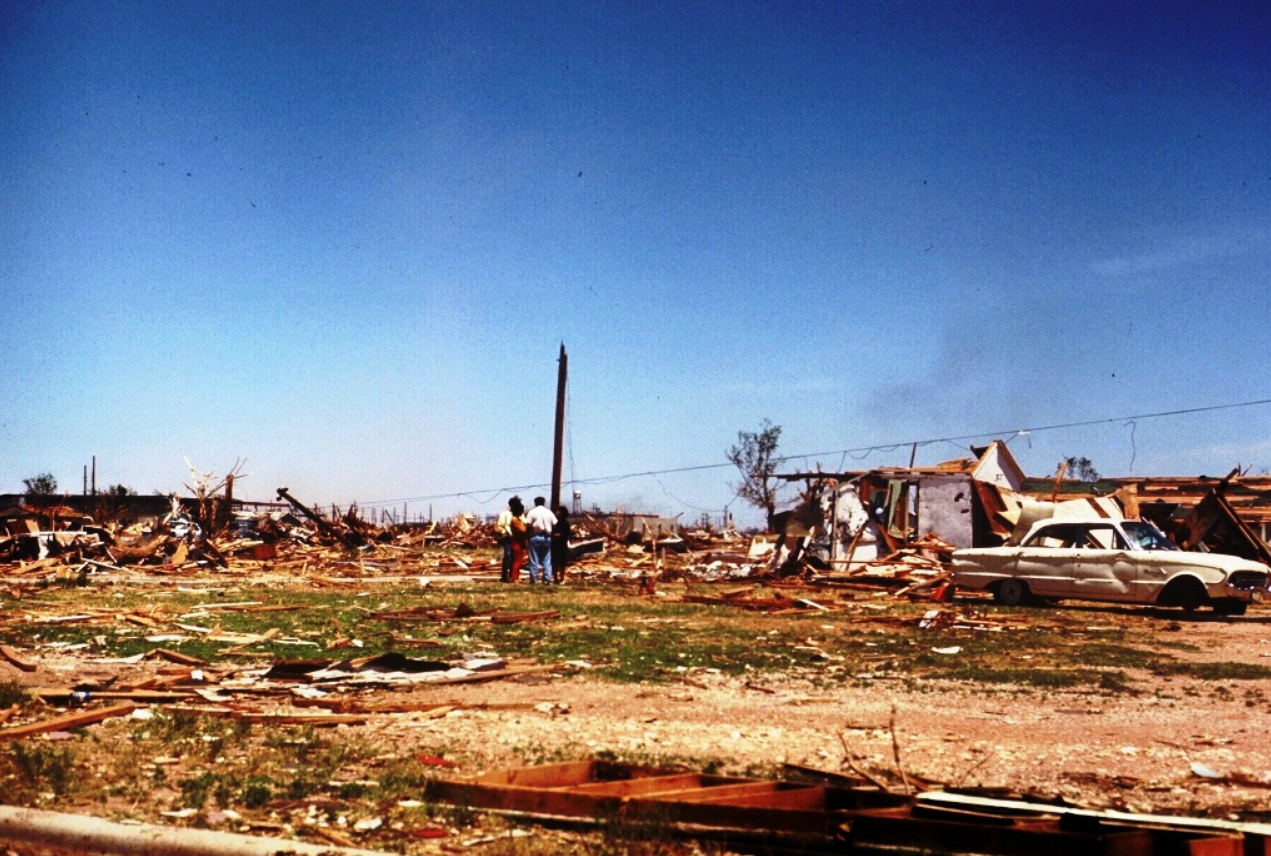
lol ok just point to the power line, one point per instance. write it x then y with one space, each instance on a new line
858 452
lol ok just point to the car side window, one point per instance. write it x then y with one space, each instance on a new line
1104 538
1057 537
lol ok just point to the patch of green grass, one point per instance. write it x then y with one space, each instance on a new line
46 766
1040 678
1104 655
404 778
195 790
533 753
639 639
257 791
1226 671
640 757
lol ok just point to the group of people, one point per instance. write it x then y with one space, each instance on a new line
539 537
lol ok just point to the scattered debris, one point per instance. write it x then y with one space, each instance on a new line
831 813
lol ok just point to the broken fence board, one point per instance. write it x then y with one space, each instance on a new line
70 720
130 695
16 659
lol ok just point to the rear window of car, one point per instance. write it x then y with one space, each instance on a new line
1058 535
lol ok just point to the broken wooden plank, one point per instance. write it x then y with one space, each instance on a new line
13 657
70 720
131 695
256 716
523 617
177 657
352 706
494 675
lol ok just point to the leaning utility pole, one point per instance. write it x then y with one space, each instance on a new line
561 374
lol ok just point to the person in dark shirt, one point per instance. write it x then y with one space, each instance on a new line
561 536
520 539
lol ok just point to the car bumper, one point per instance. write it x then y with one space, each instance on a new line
1244 595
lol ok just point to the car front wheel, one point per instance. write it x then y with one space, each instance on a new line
1011 592
1186 592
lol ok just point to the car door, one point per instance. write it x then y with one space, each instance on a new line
1048 571
1105 569
1047 561
981 569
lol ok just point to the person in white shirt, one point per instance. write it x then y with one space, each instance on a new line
539 521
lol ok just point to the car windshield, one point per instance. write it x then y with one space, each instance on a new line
1145 536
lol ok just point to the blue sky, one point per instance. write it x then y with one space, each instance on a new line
344 240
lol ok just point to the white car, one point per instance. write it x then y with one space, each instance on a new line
1126 561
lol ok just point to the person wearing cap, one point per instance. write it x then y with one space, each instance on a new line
539 521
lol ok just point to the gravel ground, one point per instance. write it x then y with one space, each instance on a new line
1107 749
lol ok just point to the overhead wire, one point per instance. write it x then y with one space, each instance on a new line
858 452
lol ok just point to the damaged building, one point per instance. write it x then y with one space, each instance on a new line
848 521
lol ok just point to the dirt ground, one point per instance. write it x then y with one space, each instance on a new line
1138 751
1132 752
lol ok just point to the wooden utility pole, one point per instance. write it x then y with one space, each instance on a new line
228 514
559 444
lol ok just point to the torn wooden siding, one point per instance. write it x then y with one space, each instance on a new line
1215 524
868 515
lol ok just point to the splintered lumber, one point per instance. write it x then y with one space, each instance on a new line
70 720
177 657
523 617
69 619
276 717
143 695
52 562
13 657
352 706
774 604
494 675
72 833
318 719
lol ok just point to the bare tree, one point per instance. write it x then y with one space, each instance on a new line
755 456
213 510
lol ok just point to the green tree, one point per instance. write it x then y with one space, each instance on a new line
755 457
42 485
1080 469
120 490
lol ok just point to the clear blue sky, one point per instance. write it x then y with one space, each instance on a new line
344 240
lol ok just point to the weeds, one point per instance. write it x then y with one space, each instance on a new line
45 766
404 778
12 692
195 791
1215 671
